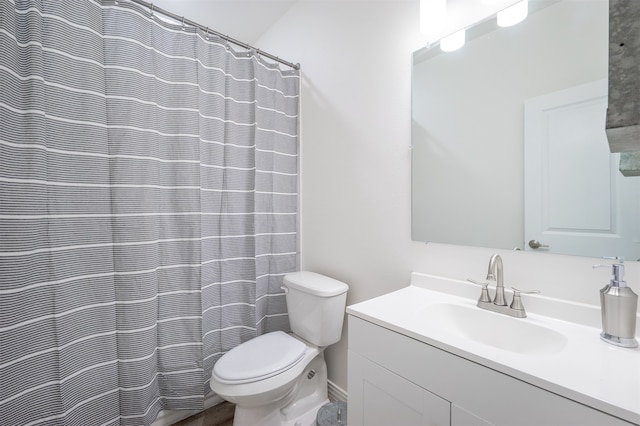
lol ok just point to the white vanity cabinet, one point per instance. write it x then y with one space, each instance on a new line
398 380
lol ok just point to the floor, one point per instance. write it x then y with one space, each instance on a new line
220 415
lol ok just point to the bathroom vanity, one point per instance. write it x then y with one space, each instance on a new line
427 355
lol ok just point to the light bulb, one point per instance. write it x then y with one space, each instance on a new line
433 14
453 42
513 14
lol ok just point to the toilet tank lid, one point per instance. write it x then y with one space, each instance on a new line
315 284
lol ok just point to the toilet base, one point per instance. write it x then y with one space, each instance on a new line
298 407
275 418
308 418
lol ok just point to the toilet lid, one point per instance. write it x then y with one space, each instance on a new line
259 358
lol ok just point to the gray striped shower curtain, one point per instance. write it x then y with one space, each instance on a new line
148 209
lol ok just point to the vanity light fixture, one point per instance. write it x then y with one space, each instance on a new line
453 42
513 14
433 14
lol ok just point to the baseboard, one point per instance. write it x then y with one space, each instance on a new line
335 392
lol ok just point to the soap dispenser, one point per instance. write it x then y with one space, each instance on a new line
618 305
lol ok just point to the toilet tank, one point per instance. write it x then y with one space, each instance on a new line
316 305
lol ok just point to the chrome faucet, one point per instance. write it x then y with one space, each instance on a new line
495 264
495 273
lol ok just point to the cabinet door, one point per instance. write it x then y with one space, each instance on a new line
378 397
461 417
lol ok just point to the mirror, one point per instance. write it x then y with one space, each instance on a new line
468 134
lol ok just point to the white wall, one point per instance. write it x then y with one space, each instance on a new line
356 163
355 157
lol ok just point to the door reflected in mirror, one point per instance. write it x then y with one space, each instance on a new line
468 138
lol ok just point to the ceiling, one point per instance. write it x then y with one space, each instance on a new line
243 20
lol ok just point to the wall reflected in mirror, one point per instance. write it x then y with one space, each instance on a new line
468 130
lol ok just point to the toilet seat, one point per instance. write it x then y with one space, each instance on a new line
259 358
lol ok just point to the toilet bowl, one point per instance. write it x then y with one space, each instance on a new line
278 378
279 399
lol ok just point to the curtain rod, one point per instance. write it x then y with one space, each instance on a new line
183 20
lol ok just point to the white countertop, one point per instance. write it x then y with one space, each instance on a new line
583 368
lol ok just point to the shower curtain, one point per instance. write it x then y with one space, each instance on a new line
148 209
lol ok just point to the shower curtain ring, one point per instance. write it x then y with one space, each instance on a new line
152 16
207 34
183 28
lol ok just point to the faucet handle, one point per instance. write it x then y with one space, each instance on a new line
516 303
515 290
484 296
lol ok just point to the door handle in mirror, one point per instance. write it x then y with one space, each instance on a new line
535 244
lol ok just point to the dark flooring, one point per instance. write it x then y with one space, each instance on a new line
219 415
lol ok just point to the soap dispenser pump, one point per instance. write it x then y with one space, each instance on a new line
619 306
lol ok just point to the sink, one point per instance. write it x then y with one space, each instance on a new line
489 328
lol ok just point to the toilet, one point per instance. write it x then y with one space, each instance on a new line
278 378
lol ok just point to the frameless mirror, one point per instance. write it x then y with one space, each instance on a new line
509 147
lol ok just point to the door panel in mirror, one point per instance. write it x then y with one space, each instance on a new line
575 196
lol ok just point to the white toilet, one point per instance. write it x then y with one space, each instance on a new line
279 378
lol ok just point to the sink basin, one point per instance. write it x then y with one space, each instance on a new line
517 335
